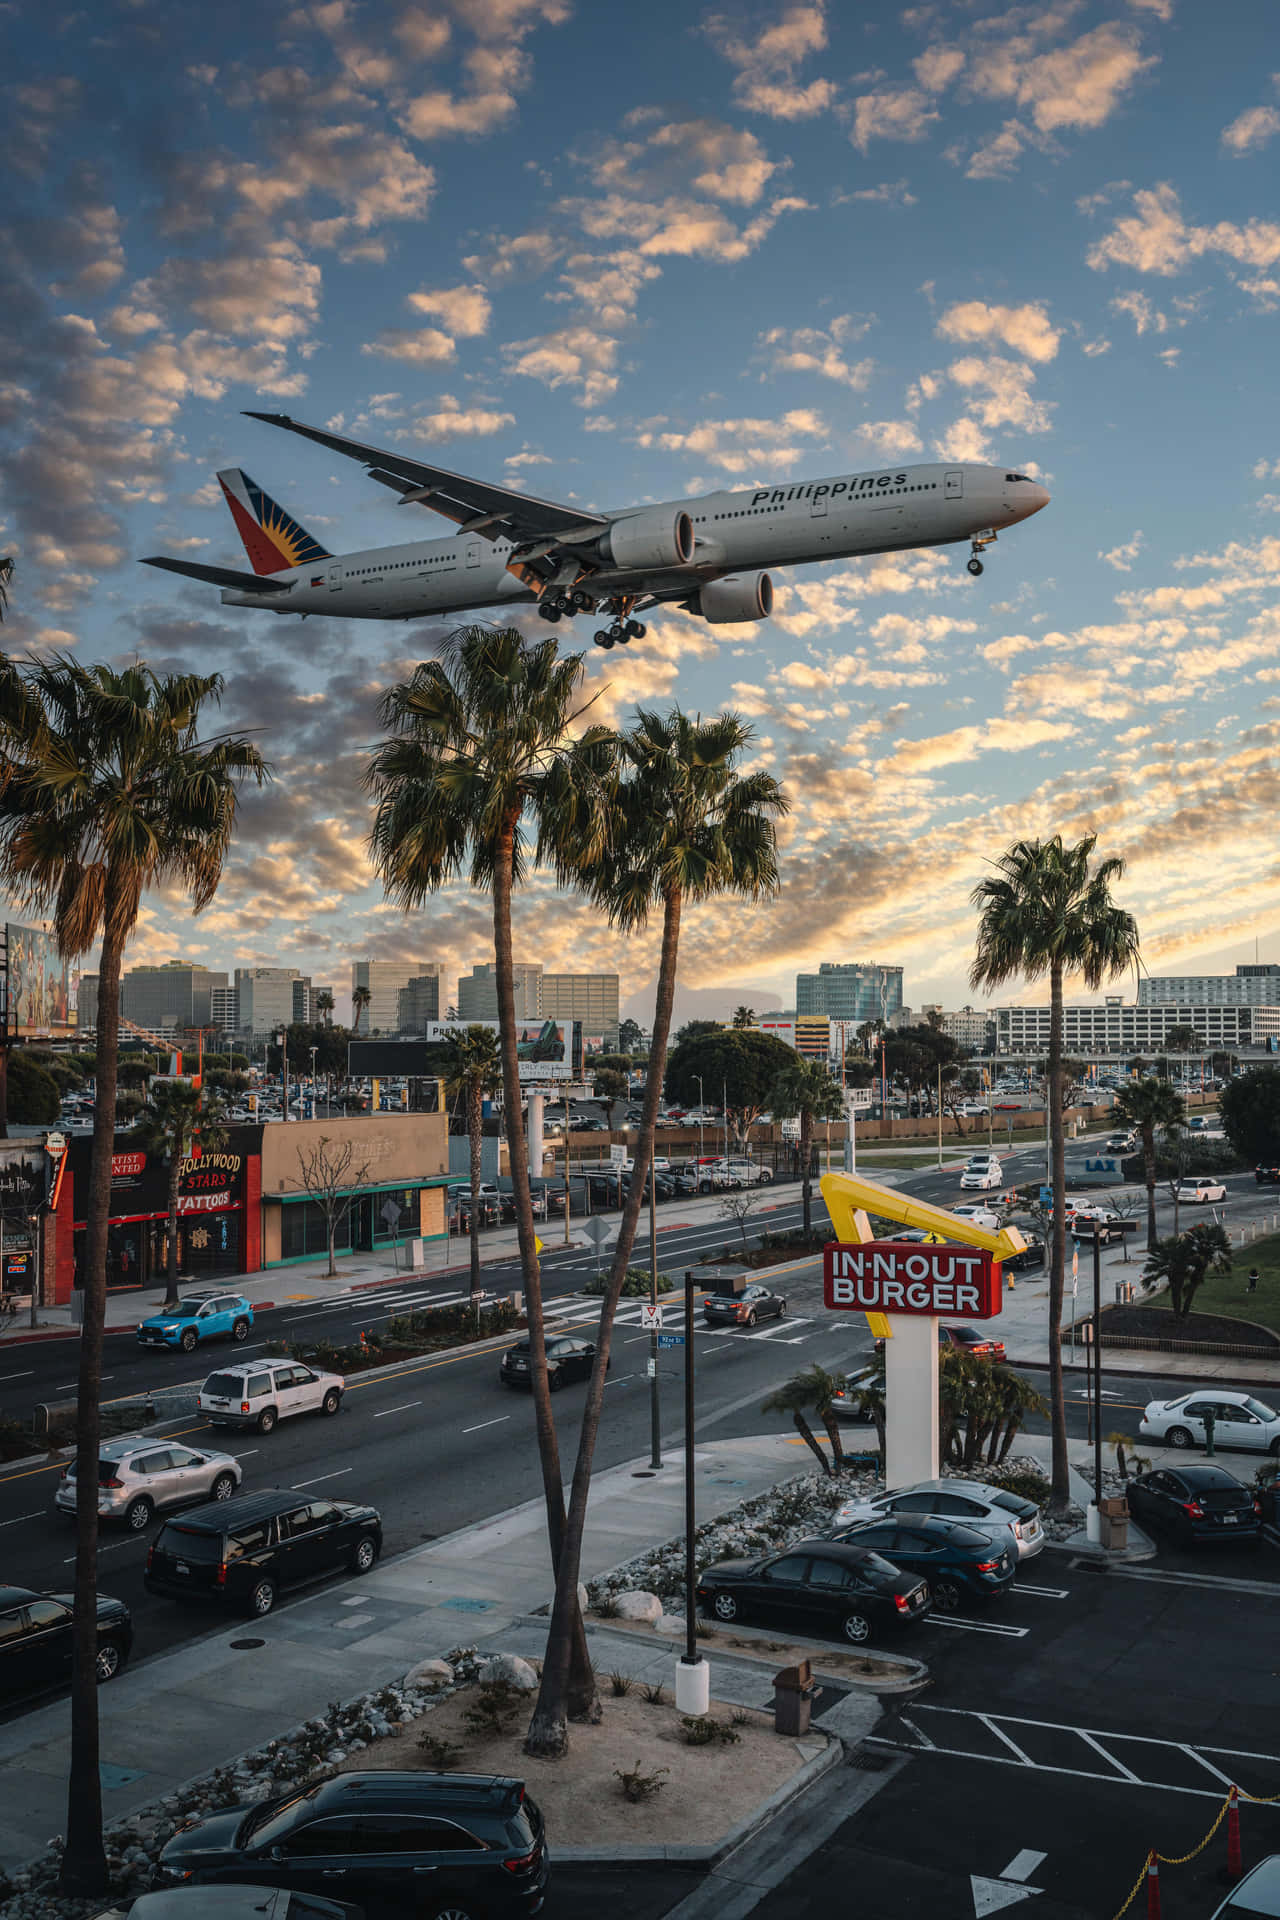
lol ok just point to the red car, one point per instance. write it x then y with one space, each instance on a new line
968 1340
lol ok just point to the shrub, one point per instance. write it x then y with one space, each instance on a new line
654 1693
620 1684
638 1785
701 1730
606 1607
1020 1480
443 1754
495 1708
636 1286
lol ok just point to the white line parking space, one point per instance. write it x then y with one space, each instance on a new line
1169 1577
977 1626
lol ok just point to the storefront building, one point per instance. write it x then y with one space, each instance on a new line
384 1175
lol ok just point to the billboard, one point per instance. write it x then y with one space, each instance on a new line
38 983
543 1047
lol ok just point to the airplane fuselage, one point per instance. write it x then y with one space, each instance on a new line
879 510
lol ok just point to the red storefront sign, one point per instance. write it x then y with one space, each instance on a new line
904 1276
125 1164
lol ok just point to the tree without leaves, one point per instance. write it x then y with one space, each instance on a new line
804 1088
328 1175
174 1118
1186 1261
6 576
473 1068
106 790
1044 910
738 1205
1147 1105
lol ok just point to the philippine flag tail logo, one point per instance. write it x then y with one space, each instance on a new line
272 538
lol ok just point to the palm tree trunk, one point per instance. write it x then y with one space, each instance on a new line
832 1426
84 1862
4 1086
1060 1474
806 1178
474 1122
807 1434
549 1712
171 1228
1149 1174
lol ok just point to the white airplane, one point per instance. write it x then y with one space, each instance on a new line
706 555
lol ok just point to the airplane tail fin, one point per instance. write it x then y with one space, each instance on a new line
272 538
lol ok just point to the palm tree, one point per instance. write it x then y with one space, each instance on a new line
175 1117
744 1017
686 827
805 1087
1147 1105
106 790
360 998
796 1397
325 1004
6 575
478 754
1045 910
473 1068
1186 1260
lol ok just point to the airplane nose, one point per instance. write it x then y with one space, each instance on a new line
1040 497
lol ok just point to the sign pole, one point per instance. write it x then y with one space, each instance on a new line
655 1422
693 1680
1097 1366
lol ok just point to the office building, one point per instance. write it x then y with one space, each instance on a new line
809 1034
269 998
855 991
419 1003
1256 985
224 1009
87 1000
383 980
1126 1029
166 998
591 998
478 992
969 1027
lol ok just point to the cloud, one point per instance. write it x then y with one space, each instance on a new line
1156 238
996 157
744 446
1000 392
765 66
571 357
819 350
1027 329
1123 557
975 743
937 67
271 293
1251 129
905 114
452 420
889 193
464 310
421 346
1079 85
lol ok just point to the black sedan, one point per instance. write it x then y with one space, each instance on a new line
36 1640
568 1358
1196 1504
1030 1258
815 1586
743 1309
959 1563
1267 1176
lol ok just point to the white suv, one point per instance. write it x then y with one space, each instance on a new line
257 1393
138 1474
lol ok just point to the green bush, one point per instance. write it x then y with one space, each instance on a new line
33 1093
636 1286
1028 1484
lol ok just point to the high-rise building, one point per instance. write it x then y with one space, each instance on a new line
167 997
383 979
1117 1026
87 1000
1255 985
317 993
591 998
478 992
269 998
419 1003
224 1009
850 991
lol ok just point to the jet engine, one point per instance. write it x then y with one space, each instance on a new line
739 596
661 537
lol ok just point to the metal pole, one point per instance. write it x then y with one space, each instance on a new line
566 1165
702 1101
690 1518
655 1424
939 1117
1097 1368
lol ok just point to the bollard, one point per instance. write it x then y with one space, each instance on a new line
1234 1866
1153 1885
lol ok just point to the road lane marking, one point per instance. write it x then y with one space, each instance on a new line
488 1423
28 1375
1211 1580
337 1474
20 1517
978 1626
1110 1758
1024 1760
1023 1864
112 1546
403 1408
1044 1593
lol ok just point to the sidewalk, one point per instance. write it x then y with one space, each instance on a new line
202 1706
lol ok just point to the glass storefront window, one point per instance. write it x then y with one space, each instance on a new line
384 1229
304 1232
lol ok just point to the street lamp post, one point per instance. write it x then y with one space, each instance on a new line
693 1680
314 1051
701 1104
283 1039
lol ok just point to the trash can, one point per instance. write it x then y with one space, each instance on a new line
794 1691
1113 1521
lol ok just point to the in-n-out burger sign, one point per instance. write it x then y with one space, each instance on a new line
902 1276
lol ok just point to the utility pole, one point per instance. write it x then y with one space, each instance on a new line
939 1116
566 1163
1097 1366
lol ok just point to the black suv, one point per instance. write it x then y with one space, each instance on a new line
426 1844
36 1640
245 1550
568 1358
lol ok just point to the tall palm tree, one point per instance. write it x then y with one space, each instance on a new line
6 575
805 1087
325 1004
744 1017
106 790
686 827
796 1396
479 754
473 1068
1046 910
1149 1104
360 998
175 1116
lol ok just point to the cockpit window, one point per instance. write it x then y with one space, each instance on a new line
1019 476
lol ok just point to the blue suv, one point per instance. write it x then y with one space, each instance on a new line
198 1317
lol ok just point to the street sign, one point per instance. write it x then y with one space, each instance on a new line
651 1315
618 1157
391 1214
670 1340
909 1277
1046 1196
597 1232
651 1369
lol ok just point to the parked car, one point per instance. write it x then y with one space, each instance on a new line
1030 1257
259 1393
451 1843
36 1640
815 1586
1086 1223
978 1215
243 1551
1256 1895
1196 1503
850 1402
744 1309
967 1340
1200 1191
958 1562
569 1357
137 1476
240 1902
992 1510
198 1317
1238 1421
738 1171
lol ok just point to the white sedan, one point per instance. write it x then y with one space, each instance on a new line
978 1215
1200 1192
1238 1421
978 1179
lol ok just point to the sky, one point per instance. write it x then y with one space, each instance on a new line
627 253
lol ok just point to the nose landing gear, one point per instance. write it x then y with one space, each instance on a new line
980 540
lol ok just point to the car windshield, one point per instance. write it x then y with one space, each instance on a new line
269 1824
1013 1504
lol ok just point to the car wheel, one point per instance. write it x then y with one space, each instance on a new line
857 1628
451 1906
947 1593
138 1514
555 1379
724 1607
365 1553
782 1309
331 1402
1178 1437
240 1330
766 1179
751 1318
108 1661
267 1419
223 1487
262 1596
1274 1448
188 1340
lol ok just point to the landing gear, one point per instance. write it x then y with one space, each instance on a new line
977 544
975 565
555 605
621 629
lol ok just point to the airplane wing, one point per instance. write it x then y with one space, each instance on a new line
220 576
477 506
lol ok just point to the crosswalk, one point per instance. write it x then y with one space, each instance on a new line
388 1304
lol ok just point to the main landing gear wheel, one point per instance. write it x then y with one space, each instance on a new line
635 630
549 610
581 602
975 565
604 637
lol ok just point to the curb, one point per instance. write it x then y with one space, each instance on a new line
1245 1380
917 1675
708 1854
